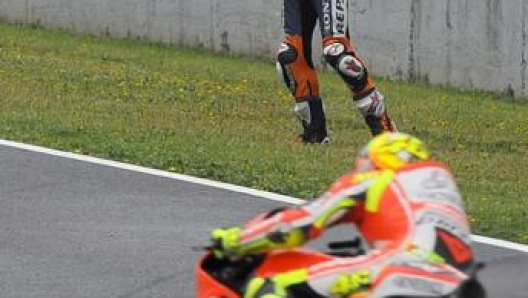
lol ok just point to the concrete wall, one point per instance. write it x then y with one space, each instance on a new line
478 44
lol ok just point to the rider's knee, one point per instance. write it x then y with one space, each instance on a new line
343 61
286 55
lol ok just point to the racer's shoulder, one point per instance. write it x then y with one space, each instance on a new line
425 164
355 178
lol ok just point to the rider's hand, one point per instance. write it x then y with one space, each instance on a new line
225 241
350 284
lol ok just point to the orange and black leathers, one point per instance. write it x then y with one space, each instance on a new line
296 68
295 56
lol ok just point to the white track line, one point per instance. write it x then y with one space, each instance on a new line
211 183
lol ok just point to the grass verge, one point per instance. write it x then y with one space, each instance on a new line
229 119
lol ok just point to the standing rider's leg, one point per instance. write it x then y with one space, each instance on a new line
296 69
341 55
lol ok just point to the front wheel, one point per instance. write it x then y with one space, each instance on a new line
472 289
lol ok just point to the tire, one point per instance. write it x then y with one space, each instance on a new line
472 289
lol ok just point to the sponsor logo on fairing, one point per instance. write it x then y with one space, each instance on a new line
445 223
418 284
423 266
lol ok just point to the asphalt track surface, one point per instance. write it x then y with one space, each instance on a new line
71 228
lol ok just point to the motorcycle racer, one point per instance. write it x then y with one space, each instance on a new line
407 207
296 69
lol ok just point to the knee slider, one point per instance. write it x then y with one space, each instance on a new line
342 61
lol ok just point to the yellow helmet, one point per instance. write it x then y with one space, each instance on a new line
391 150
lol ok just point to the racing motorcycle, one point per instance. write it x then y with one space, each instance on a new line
227 278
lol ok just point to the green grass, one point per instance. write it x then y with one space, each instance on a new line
228 118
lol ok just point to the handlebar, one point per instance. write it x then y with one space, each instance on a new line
354 243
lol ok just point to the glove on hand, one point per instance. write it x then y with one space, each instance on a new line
226 242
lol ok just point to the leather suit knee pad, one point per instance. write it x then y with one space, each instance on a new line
286 55
343 61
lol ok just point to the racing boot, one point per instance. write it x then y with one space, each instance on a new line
312 116
372 107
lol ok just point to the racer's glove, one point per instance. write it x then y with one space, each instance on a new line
350 285
226 242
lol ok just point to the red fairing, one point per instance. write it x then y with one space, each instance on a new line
276 262
208 287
